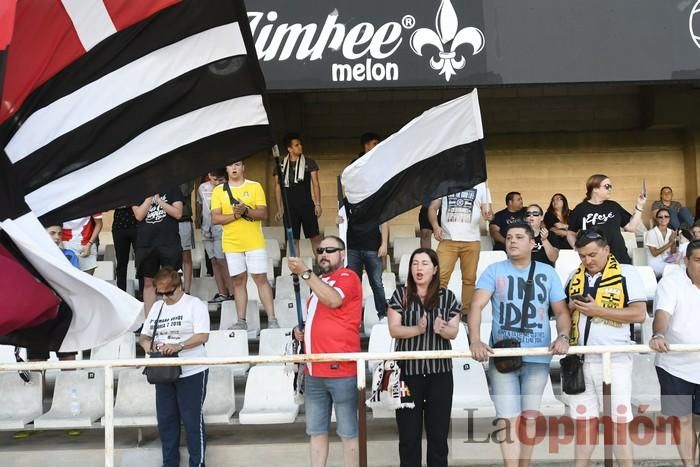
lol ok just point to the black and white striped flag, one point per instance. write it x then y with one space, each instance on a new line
108 101
436 154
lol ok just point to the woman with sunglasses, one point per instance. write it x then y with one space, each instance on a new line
544 251
661 243
181 324
598 211
424 316
556 219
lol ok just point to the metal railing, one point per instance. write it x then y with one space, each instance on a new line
359 357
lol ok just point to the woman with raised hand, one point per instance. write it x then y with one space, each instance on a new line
544 251
424 316
598 211
661 243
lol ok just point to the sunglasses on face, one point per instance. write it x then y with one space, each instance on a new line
608 187
533 213
328 249
169 293
663 217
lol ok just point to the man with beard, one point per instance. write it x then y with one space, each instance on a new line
332 326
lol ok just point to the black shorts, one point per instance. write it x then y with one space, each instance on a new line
41 355
678 396
149 260
423 221
306 217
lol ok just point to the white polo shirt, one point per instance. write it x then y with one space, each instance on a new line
677 296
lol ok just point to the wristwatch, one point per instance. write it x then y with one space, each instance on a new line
306 275
182 346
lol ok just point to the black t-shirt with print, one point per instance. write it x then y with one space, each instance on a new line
608 217
539 253
158 228
503 219
299 194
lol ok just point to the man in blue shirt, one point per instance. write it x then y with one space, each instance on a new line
54 232
517 394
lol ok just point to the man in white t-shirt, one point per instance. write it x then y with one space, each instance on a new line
677 321
459 235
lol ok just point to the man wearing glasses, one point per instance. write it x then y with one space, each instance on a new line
334 312
605 299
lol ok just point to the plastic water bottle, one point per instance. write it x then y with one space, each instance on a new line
74 403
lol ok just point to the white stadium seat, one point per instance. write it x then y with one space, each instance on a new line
284 288
21 402
649 280
276 232
89 387
404 268
121 348
403 246
269 396
274 251
646 391
220 401
229 344
286 312
470 398
273 342
252 316
639 256
204 288
567 263
104 270
135 404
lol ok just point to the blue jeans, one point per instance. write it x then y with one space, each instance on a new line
320 395
519 391
182 400
683 216
373 264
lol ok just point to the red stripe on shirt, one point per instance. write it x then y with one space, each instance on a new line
44 42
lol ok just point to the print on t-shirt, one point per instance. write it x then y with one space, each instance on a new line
156 214
168 328
511 291
460 206
593 218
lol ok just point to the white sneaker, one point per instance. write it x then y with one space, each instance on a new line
239 325
273 324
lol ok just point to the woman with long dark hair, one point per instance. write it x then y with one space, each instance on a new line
598 211
545 251
424 316
556 219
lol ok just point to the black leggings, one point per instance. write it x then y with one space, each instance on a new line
432 395
124 240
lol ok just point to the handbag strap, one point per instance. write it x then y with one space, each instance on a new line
528 297
231 199
155 328
526 300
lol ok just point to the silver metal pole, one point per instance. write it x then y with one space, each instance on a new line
109 416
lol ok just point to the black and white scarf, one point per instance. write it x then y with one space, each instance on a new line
299 170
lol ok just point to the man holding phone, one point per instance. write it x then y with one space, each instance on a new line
605 299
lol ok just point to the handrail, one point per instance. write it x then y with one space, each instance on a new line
331 357
359 357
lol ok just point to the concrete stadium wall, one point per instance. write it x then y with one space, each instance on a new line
539 139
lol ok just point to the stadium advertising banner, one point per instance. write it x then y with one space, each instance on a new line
336 44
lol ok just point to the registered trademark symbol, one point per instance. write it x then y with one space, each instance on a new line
408 21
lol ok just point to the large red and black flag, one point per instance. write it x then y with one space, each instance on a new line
105 102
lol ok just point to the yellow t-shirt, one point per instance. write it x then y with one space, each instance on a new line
240 235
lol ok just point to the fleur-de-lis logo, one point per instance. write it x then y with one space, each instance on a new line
446 32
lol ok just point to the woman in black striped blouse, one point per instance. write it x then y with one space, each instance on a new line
423 316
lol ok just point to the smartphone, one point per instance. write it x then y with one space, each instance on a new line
644 186
580 298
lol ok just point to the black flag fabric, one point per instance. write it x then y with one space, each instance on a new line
106 102
436 154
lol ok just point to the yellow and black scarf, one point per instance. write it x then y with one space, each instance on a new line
610 293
